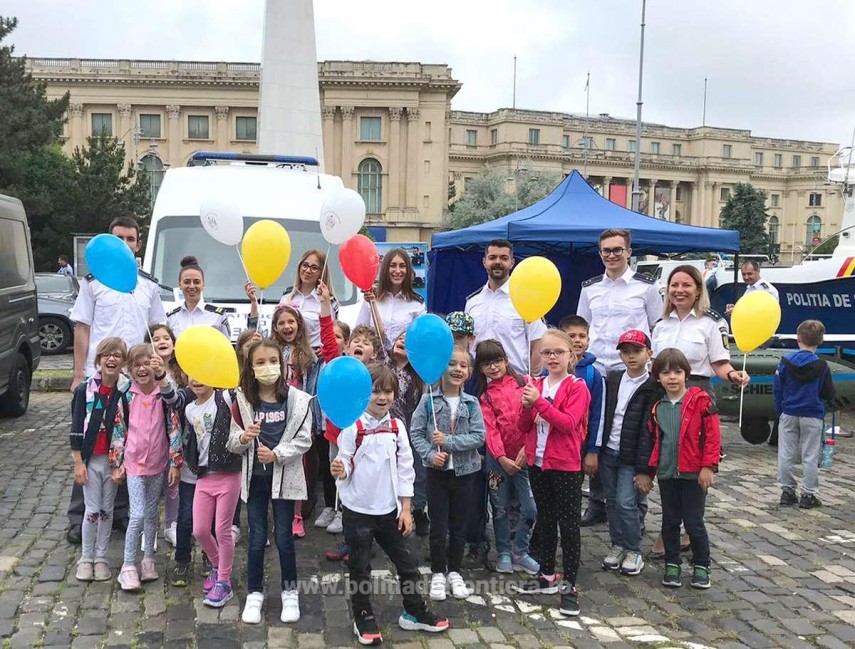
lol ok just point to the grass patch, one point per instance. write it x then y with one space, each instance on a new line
53 374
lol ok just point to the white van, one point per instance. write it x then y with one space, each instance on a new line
286 189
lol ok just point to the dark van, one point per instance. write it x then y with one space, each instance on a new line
20 351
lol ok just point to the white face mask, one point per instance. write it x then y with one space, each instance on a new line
267 374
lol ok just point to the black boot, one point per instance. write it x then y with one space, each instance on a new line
74 534
593 515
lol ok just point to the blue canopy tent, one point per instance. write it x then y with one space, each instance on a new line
564 227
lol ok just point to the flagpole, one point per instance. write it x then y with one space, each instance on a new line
587 118
704 120
514 98
636 186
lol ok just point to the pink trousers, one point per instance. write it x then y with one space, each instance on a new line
215 501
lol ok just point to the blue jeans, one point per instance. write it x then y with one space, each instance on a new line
501 488
260 490
622 506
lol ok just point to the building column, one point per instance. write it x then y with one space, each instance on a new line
396 170
347 146
694 217
75 125
651 197
328 114
414 154
607 187
173 113
221 134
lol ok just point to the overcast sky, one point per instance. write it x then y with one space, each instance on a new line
781 68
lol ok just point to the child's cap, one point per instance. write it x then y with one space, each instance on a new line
461 323
634 337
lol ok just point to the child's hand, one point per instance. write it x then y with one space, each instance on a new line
592 463
174 476
323 292
250 290
521 460
337 468
119 475
438 438
529 395
405 522
440 459
250 433
644 483
508 466
81 473
706 478
265 455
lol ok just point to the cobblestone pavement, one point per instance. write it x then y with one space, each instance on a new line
781 578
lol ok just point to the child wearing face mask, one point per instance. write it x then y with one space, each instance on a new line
273 431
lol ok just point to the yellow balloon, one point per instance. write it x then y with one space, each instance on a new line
535 287
266 249
755 319
206 355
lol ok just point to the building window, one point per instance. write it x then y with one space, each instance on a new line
467 181
814 228
774 227
678 194
676 150
370 185
494 136
534 136
150 125
565 142
775 200
369 129
726 150
632 146
427 131
151 172
721 219
588 142
779 160
102 124
471 137
758 159
246 128
797 161
815 199
725 194
814 161
611 144
197 127
654 147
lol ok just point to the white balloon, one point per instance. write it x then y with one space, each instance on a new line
222 220
342 216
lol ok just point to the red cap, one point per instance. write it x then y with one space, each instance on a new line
634 337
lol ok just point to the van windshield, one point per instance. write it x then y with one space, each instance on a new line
179 236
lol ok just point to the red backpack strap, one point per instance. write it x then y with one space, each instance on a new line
394 426
360 435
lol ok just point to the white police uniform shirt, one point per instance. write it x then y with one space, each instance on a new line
495 317
67 270
762 285
396 312
611 307
111 313
180 318
309 307
702 339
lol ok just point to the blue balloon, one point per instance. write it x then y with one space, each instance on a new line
344 389
112 263
429 345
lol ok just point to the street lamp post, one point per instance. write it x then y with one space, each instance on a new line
636 188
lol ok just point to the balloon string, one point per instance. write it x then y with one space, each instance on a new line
375 316
141 314
433 410
240 256
742 387
326 259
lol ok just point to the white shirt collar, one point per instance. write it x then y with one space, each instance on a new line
505 288
638 380
374 423
627 275
199 307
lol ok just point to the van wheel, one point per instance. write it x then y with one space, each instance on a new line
54 336
17 396
755 430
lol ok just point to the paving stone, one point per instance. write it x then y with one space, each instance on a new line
491 634
462 636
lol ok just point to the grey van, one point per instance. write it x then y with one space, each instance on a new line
20 351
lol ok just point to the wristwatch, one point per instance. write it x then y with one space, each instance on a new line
729 378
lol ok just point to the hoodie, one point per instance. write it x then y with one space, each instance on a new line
802 384
586 371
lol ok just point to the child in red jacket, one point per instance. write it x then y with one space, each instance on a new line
686 439
555 420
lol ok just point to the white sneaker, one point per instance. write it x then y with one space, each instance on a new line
326 517
171 534
458 586
437 587
252 608
235 533
142 542
336 526
290 606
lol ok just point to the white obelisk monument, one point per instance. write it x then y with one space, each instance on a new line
289 106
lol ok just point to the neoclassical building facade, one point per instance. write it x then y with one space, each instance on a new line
390 133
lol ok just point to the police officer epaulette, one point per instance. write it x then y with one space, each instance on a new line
593 280
142 273
474 293
644 277
90 277
219 310
419 298
288 291
715 315
764 285
173 312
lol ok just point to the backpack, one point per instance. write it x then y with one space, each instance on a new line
361 432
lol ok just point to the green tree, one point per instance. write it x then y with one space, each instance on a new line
487 198
746 212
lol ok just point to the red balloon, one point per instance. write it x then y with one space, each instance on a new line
359 261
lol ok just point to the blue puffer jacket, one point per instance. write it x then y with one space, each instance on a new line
463 442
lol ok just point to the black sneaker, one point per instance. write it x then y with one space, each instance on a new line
425 621
788 498
181 574
569 601
420 518
365 628
593 516
539 585
700 577
476 557
74 535
672 579
809 501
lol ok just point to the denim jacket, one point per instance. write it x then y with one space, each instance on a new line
463 443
